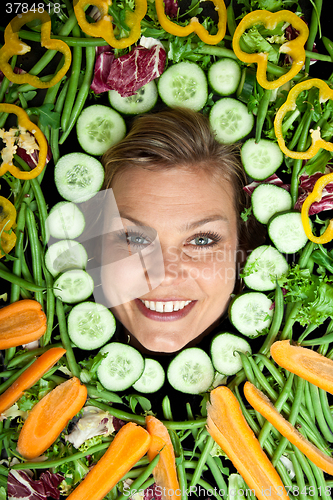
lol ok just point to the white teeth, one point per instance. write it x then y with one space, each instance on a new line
166 307
159 307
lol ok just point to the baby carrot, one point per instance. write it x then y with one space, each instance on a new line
21 322
307 364
49 416
165 472
228 427
129 445
30 376
262 404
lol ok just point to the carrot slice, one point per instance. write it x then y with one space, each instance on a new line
49 417
21 322
228 427
165 473
30 377
307 364
264 406
129 445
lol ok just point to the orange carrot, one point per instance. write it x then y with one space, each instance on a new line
30 377
165 473
129 445
21 322
49 417
228 427
264 406
307 364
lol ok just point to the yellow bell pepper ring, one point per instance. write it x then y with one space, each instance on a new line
325 93
104 28
14 46
293 48
23 120
316 195
194 26
7 222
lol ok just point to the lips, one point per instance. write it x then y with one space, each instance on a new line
169 310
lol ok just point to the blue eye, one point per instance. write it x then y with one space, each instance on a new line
137 240
201 241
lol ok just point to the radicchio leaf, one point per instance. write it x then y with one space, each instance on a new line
171 7
306 185
273 179
32 159
102 70
21 486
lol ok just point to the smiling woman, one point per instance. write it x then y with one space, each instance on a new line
179 193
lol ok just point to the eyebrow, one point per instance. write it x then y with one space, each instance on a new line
188 226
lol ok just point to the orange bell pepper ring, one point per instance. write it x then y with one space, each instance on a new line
23 120
293 48
325 93
14 46
194 26
316 195
104 28
7 222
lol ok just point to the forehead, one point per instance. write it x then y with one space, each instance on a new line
173 192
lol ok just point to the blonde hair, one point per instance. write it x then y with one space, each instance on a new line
180 138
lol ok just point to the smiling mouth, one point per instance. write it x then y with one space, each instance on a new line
166 307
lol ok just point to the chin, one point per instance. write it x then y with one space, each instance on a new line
162 344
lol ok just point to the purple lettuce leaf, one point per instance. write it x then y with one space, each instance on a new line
21 486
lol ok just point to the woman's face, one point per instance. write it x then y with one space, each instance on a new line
195 220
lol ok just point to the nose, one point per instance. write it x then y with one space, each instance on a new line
176 266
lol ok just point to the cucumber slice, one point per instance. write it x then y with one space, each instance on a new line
268 200
184 84
152 378
121 368
65 221
144 100
223 351
73 286
78 177
191 371
65 255
90 325
262 159
250 313
264 265
287 233
224 76
230 120
98 128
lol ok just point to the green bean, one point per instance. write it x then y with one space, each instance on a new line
292 419
54 138
181 473
231 22
35 252
276 322
262 113
320 480
279 403
51 92
141 479
6 374
50 305
275 372
217 474
82 93
326 408
147 483
31 354
314 23
93 392
38 193
48 464
73 81
202 460
299 476
289 323
166 407
23 194
302 460
15 289
319 413
328 46
33 287
308 401
205 485
5 81
4 386
71 41
72 364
